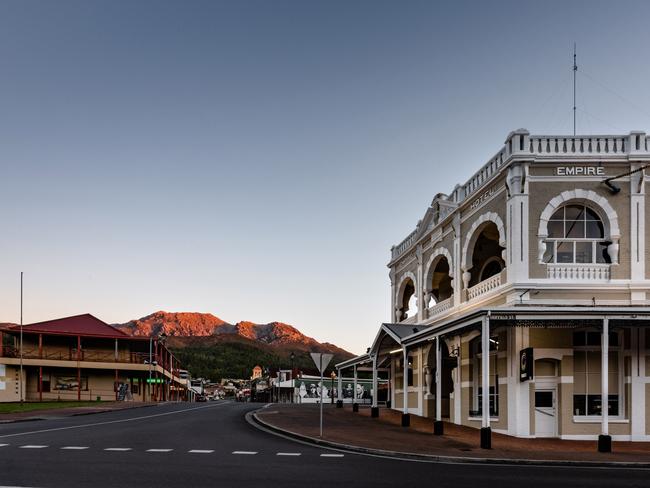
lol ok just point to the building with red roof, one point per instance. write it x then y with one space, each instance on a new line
84 358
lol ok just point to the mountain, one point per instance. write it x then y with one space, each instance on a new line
211 347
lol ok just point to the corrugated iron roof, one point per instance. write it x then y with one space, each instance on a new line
83 325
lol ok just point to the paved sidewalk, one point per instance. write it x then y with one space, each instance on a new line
49 413
385 433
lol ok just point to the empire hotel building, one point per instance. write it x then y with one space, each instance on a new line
520 300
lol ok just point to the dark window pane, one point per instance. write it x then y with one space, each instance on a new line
593 338
584 252
591 215
613 339
594 229
565 252
593 404
556 229
612 405
575 229
579 405
544 399
601 253
579 339
575 212
558 215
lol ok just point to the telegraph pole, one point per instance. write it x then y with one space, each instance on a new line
575 70
21 339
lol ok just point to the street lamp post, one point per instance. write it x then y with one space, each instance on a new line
292 357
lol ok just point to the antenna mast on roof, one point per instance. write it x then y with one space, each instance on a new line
575 69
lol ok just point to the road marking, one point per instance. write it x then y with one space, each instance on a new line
245 453
3 445
143 417
201 451
332 455
120 449
159 450
32 446
75 448
288 454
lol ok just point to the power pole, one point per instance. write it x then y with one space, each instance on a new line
575 70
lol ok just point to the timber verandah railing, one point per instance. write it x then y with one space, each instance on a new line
522 145
84 355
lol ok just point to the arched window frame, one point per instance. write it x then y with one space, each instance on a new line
593 200
578 247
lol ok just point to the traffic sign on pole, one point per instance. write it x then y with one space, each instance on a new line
321 360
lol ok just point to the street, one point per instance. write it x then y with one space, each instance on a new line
181 445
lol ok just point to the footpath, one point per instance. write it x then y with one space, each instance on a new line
50 413
345 429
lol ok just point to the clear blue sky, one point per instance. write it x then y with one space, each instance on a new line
257 160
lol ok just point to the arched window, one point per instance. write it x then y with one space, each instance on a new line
576 234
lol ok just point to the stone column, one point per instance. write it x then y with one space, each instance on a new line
374 411
437 425
486 433
604 439
406 418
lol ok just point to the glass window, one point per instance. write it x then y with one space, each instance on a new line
544 399
587 369
576 235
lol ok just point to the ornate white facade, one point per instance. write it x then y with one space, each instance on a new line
542 251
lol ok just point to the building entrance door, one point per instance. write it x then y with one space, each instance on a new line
546 412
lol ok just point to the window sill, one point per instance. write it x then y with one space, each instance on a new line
598 420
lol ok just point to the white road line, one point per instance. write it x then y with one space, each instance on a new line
32 446
75 448
332 455
3 445
201 451
159 450
245 453
288 454
143 417
120 449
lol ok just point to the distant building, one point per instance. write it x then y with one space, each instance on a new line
257 372
84 358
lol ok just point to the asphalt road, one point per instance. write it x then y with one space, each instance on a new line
212 445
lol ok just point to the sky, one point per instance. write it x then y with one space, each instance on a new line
258 159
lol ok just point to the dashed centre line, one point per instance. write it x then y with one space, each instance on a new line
164 450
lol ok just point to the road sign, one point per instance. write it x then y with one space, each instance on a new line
321 360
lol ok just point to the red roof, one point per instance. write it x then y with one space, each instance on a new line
83 325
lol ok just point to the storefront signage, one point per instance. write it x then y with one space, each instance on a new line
484 196
580 171
526 364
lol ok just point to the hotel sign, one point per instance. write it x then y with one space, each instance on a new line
580 171
526 362
484 196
